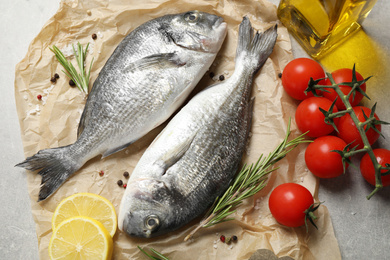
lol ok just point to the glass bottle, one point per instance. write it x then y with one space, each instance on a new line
320 25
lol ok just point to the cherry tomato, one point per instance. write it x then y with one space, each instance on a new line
348 131
288 203
340 76
296 76
309 117
320 159
367 167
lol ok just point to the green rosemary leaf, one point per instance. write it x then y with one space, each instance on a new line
162 257
81 79
159 254
148 255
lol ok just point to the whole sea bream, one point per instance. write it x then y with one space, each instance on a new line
148 76
195 157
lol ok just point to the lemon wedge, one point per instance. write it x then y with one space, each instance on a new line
89 205
80 238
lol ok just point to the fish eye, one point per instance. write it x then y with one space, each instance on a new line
152 222
192 17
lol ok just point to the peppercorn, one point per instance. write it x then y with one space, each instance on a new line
39 97
222 238
94 36
280 75
56 76
124 186
53 79
211 74
71 83
101 173
119 182
126 174
234 238
221 77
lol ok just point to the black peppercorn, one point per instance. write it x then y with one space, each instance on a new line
234 238
56 76
211 74
280 75
94 36
119 182
71 83
126 174
221 77
53 79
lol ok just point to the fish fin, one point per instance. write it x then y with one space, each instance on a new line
56 165
82 123
116 149
174 154
255 49
86 115
161 61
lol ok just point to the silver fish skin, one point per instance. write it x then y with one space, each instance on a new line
148 76
195 157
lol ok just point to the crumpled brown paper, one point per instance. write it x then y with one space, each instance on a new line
53 121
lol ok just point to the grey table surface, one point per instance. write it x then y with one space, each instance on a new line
362 227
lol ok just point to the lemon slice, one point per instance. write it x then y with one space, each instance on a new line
89 205
80 238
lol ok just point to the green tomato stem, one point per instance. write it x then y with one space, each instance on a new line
359 125
338 114
352 153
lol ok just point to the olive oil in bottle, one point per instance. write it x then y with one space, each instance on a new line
320 25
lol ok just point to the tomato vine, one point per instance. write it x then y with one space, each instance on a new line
370 120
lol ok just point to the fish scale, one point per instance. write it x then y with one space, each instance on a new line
195 157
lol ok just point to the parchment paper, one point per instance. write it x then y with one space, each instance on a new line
53 121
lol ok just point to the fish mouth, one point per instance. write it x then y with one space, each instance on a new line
219 22
213 45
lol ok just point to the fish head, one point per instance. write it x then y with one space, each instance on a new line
145 209
197 31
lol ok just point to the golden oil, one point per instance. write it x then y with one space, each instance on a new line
320 25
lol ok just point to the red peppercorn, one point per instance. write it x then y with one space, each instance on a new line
101 173
39 97
222 238
124 185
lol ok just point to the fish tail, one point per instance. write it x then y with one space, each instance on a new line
55 165
254 49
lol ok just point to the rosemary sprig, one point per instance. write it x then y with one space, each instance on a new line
250 180
160 256
80 79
